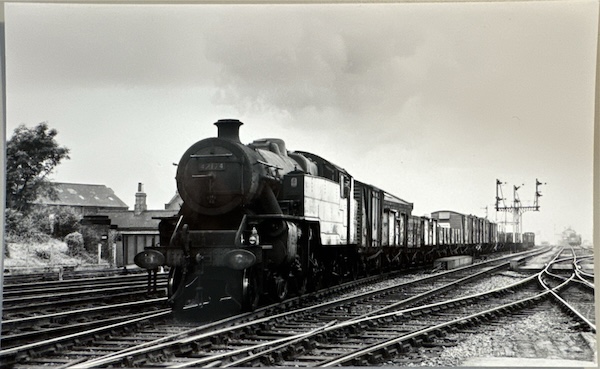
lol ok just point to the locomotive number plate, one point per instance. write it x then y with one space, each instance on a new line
211 166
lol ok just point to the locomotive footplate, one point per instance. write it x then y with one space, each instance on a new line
212 274
208 286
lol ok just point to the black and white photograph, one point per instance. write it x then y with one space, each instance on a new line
311 184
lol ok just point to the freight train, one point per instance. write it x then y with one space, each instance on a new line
261 222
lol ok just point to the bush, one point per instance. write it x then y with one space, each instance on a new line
65 221
32 227
75 244
40 223
43 254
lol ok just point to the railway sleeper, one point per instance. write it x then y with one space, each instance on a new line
200 345
440 333
310 344
416 341
403 347
442 344
294 350
157 357
374 335
429 337
271 359
181 349
375 357
362 361
325 346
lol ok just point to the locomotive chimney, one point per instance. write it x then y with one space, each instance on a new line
229 129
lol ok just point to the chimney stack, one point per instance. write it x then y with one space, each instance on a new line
140 200
229 129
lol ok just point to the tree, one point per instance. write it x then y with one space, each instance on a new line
31 155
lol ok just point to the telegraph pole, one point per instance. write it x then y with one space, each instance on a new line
517 209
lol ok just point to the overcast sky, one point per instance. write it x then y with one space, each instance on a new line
431 102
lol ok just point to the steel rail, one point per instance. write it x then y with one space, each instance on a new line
369 318
41 291
100 291
430 330
282 342
438 290
20 351
44 285
82 311
443 326
564 303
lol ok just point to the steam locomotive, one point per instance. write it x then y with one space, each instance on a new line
258 221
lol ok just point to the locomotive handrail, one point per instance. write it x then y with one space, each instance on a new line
172 240
269 164
203 175
198 156
238 234
279 216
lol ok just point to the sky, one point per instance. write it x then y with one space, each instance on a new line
432 102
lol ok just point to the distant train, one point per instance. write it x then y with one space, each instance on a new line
261 222
570 237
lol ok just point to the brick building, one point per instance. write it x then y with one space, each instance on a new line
136 228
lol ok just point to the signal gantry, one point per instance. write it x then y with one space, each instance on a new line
517 209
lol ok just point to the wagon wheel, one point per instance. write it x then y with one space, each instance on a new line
250 290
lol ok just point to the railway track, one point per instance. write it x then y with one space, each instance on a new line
407 292
21 332
43 298
574 294
60 273
305 332
37 312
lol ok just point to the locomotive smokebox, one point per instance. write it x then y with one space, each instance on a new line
229 129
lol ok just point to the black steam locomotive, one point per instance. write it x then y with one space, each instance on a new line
259 221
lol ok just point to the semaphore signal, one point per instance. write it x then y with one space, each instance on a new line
517 209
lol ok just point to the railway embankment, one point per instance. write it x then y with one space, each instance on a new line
53 255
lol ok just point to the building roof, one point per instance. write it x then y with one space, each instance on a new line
174 203
78 194
127 220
